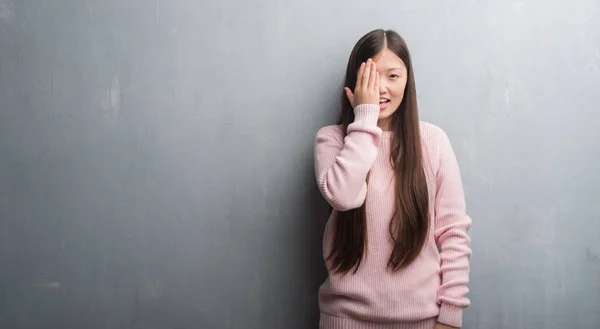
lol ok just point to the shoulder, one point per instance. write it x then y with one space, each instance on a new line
331 132
432 133
434 137
436 144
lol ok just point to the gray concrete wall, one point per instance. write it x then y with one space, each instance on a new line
156 156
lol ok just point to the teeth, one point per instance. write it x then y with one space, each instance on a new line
382 100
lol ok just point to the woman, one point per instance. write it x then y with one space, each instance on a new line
396 244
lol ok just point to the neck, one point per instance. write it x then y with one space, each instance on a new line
384 124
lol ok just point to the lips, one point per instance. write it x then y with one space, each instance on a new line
383 103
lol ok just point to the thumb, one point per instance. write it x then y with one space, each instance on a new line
350 95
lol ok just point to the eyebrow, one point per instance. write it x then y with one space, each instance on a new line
394 69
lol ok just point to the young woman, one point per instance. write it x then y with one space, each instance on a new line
396 245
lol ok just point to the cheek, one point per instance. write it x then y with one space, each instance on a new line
398 89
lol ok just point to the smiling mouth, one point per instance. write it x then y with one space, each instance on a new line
383 101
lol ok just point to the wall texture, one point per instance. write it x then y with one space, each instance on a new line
156 164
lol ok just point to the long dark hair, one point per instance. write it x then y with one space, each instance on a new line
410 225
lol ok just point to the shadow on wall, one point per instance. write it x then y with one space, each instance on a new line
312 232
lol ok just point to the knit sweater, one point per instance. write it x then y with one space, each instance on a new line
431 289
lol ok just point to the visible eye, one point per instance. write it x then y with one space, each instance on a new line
394 76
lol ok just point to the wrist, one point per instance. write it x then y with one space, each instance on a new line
450 315
369 113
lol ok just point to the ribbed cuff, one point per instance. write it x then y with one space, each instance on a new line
368 113
450 315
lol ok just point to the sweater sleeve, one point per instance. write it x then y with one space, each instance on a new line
452 225
342 165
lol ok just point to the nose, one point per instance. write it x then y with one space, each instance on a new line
382 86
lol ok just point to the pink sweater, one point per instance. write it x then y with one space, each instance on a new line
434 287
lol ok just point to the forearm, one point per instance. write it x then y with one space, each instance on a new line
342 166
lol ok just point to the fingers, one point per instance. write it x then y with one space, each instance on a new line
366 90
366 74
359 75
372 76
